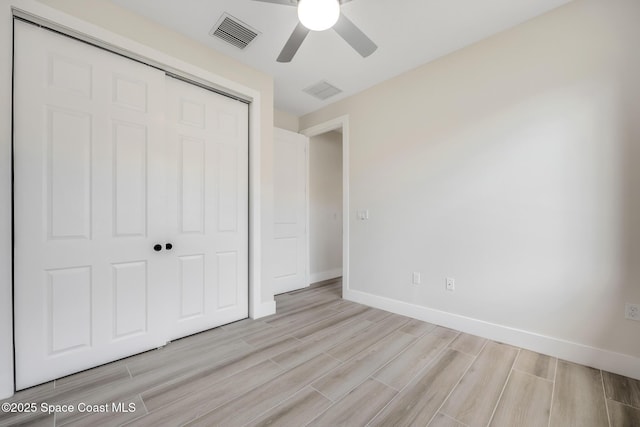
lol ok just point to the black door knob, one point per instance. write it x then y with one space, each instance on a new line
157 248
168 246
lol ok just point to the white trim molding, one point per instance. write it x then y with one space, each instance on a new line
610 361
324 275
6 298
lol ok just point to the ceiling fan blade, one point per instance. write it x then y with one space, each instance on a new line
284 2
293 44
354 36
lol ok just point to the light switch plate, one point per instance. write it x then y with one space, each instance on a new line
416 278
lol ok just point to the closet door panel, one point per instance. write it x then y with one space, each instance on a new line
130 150
192 185
208 206
89 170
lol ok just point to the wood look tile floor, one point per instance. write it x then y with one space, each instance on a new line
323 361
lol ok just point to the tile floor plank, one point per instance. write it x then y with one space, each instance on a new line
307 350
97 377
161 359
27 419
622 415
305 317
376 315
536 364
622 389
341 305
297 411
474 399
525 402
404 368
367 338
203 400
469 344
331 330
417 403
578 397
262 337
369 398
264 397
173 390
156 378
417 327
350 374
244 325
38 421
35 394
442 420
338 318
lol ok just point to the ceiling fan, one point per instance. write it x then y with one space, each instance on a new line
320 15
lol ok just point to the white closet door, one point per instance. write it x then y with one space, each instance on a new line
208 207
89 159
290 255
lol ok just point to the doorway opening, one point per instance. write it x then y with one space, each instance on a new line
328 201
325 206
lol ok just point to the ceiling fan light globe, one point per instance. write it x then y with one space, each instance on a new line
318 15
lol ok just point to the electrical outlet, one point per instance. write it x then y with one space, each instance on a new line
363 214
451 284
416 278
632 311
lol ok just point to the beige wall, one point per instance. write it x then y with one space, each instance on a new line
511 166
325 206
121 21
284 120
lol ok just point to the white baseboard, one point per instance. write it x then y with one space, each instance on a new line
325 275
606 360
264 309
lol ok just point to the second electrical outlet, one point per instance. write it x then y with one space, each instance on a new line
451 284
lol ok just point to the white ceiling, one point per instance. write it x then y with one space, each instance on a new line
408 33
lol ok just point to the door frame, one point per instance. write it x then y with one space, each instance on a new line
342 123
44 15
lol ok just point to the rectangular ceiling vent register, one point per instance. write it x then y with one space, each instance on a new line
322 90
233 31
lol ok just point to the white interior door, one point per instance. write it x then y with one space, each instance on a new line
289 255
208 207
88 159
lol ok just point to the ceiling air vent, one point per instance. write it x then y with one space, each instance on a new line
322 90
233 31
